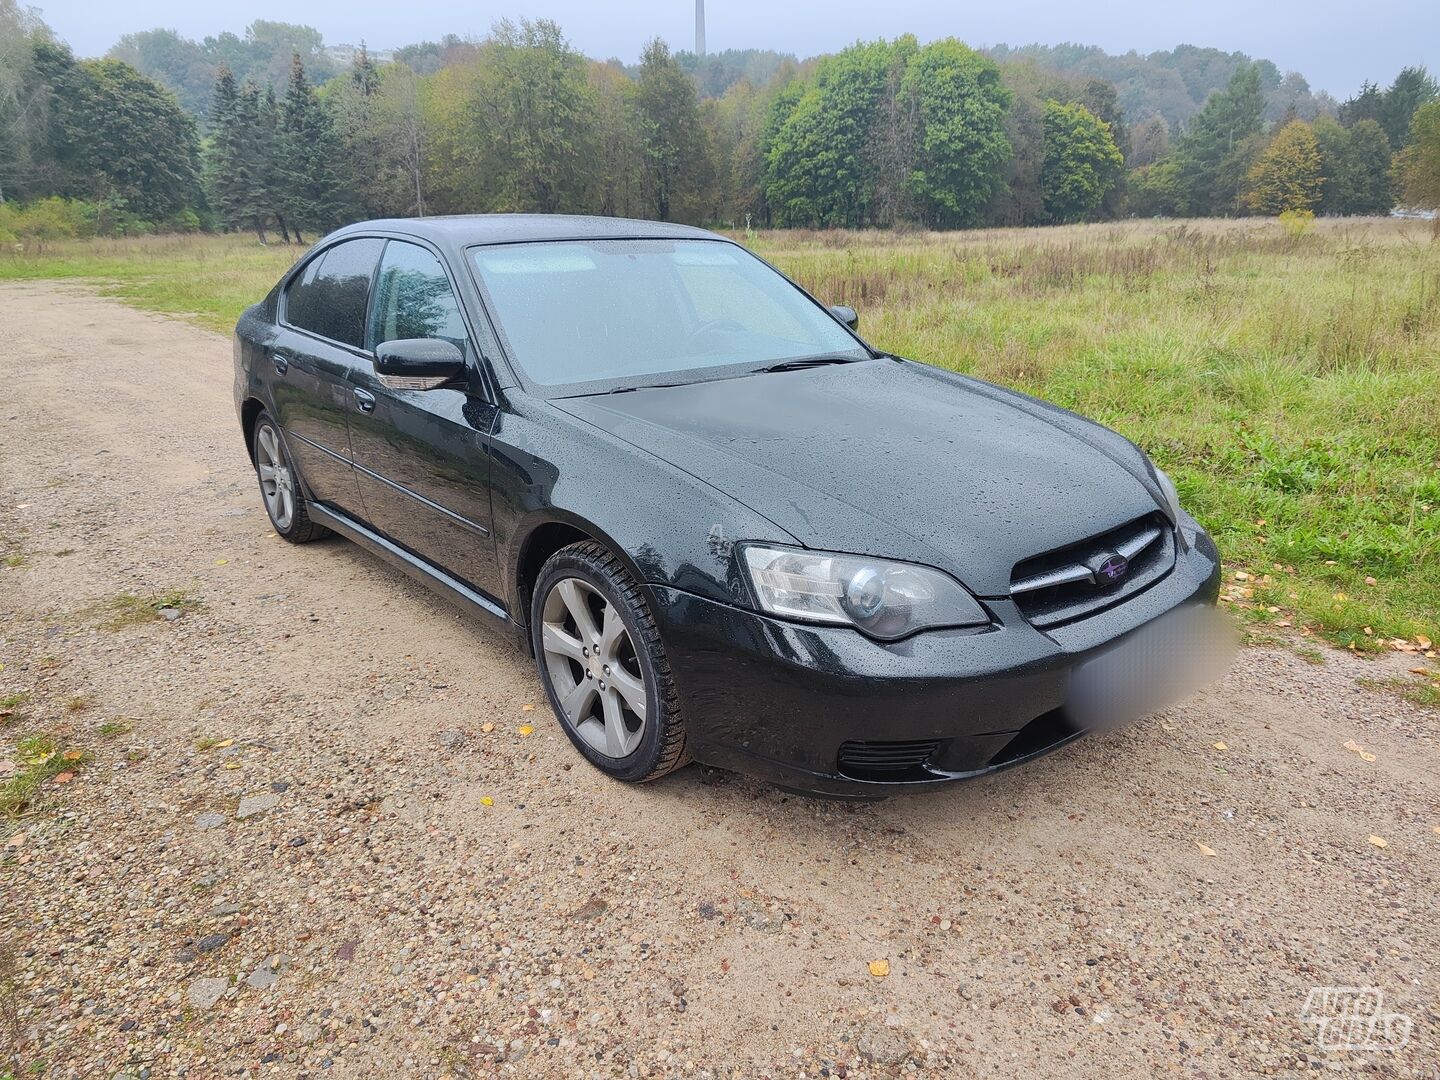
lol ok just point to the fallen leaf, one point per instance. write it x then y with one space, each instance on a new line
64 777
1208 852
73 755
1377 841
486 800
1435 829
232 765
879 968
487 728
527 708
222 744
1221 746
1423 641
526 729
19 838
221 562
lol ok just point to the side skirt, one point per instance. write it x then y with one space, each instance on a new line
423 572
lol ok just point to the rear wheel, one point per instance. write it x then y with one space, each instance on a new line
280 487
604 667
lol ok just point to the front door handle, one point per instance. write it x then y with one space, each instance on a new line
364 400
282 365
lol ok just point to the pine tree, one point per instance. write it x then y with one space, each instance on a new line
314 197
1215 152
232 165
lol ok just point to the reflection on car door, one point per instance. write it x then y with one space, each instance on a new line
423 456
315 352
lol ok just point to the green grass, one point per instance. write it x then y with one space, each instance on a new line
40 757
128 609
208 279
1290 385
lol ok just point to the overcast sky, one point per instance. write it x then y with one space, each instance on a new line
1334 44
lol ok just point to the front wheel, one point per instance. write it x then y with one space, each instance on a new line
604 667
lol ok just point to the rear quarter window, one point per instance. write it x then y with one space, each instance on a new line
330 296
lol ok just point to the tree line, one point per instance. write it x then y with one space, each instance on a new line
885 133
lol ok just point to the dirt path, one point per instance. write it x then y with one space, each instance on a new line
383 918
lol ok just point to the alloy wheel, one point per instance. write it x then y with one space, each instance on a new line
593 668
277 482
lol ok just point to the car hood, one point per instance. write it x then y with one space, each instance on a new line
894 459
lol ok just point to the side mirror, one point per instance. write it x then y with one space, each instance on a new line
848 315
418 363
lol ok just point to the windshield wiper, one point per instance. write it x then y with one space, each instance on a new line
802 362
643 386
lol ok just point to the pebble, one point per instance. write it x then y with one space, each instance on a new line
251 805
204 993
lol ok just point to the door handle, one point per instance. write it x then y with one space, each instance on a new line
364 400
282 365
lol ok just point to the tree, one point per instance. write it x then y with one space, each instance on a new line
1082 163
960 112
1154 190
373 150
1216 150
671 137
315 197
111 136
819 167
1354 168
1418 165
835 142
174 62
532 110
1150 141
1412 88
1287 175
21 97
237 167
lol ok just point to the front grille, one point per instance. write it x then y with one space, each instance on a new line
1063 585
887 761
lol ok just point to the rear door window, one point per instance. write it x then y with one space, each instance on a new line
330 296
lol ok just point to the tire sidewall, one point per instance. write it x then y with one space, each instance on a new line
641 763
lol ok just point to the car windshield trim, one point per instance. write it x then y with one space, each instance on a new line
659 376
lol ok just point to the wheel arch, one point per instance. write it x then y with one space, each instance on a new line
542 539
250 413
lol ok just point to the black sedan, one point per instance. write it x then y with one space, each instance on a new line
727 528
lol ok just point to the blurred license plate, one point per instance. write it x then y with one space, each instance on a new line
1154 666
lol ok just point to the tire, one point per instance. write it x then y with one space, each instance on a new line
269 451
588 575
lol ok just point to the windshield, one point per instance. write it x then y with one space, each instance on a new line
598 311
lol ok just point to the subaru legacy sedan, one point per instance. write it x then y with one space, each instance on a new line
727 528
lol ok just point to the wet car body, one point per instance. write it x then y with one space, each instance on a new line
471 486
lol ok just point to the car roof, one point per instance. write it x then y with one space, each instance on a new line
465 230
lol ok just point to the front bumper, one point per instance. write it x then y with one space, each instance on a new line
830 711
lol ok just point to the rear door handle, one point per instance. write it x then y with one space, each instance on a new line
282 365
364 400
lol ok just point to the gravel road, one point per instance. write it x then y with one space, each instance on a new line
377 867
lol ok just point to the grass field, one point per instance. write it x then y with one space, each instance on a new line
1289 383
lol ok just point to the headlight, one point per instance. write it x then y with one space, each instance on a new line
1172 497
881 598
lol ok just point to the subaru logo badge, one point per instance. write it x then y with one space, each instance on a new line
1112 569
